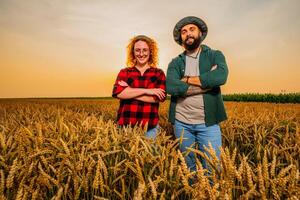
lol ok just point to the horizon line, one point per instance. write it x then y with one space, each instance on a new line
108 97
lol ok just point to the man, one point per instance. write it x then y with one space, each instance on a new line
193 81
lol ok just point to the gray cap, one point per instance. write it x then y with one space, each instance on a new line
189 20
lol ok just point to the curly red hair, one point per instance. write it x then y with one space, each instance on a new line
153 60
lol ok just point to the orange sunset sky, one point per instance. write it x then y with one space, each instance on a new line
58 48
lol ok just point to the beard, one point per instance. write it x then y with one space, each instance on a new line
194 45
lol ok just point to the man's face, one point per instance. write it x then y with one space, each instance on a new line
190 35
141 52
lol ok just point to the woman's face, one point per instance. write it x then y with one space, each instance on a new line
141 53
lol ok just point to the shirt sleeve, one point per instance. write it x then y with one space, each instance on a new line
161 83
117 89
218 76
175 87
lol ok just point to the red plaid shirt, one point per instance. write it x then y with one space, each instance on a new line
132 111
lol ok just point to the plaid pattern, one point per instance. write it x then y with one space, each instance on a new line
132 111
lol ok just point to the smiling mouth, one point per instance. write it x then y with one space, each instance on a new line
190 40
142 59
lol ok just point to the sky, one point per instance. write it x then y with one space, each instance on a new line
73 48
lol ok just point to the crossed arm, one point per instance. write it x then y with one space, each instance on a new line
195 84
142 94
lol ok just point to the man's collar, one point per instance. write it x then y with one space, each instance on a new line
203 49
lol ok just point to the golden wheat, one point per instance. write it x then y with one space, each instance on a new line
73 149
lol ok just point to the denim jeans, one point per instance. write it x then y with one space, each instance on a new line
152 133
201 135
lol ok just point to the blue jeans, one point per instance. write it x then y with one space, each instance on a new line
152 133
201 135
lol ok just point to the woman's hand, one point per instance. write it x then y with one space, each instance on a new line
160 93
123 83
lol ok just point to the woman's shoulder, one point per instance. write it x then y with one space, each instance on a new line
158 70
126 69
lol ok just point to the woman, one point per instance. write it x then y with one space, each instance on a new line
141 86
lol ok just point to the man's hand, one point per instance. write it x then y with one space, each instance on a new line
184 79
193 90
195 80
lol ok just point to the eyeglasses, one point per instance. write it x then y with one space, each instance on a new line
141 51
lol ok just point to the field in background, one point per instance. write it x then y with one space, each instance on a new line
271 98
72 149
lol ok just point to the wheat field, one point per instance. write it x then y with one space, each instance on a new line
72 149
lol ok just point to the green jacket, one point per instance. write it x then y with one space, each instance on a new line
213 103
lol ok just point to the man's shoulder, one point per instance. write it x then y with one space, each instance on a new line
178 57
210 50
178 60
